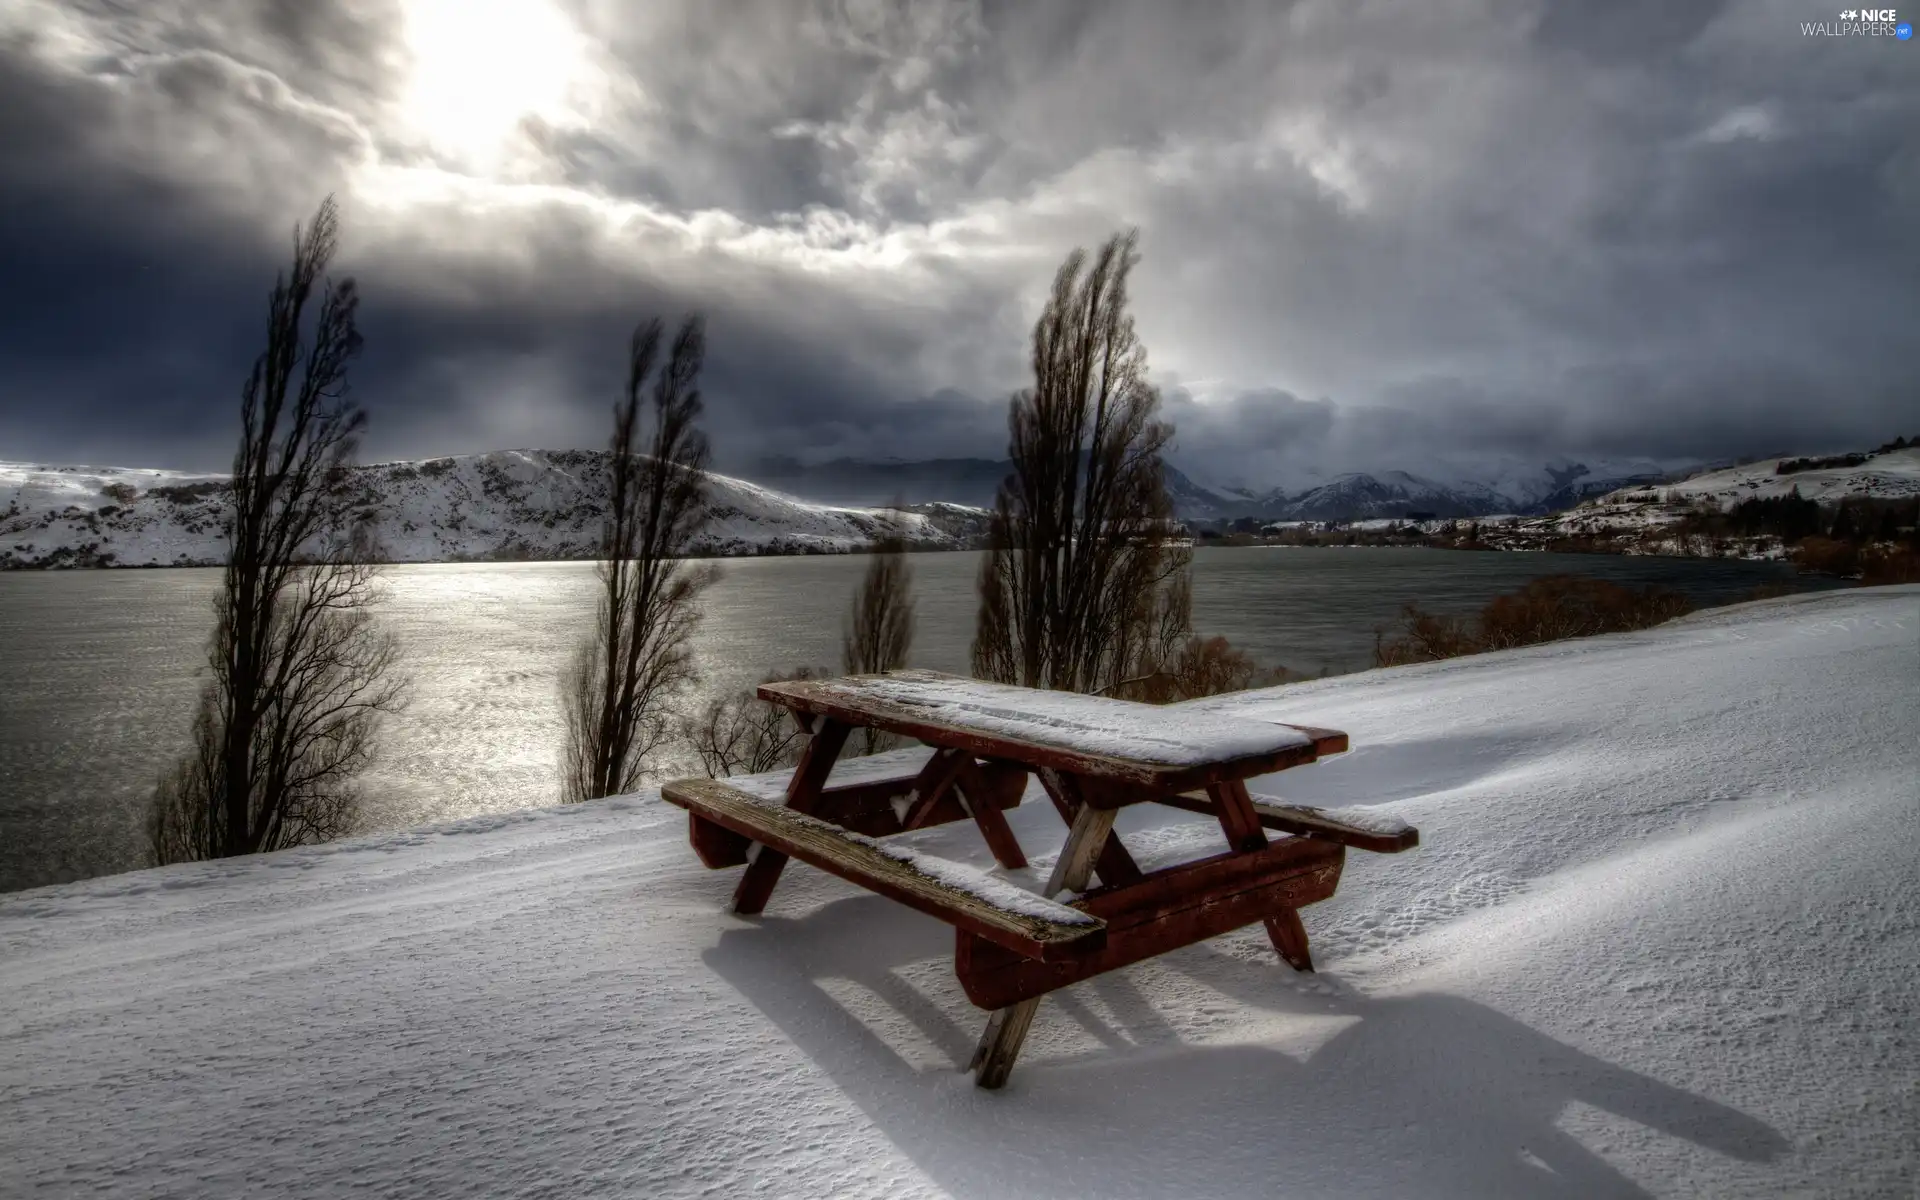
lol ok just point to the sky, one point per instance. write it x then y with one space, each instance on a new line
1411 234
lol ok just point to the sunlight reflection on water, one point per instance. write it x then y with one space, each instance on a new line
97 668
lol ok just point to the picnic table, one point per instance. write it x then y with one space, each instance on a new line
1093 756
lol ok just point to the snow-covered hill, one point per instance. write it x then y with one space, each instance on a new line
1661 938
1880 474
512 504
1638 516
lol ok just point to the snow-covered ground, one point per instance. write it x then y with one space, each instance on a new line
1662 937
511 504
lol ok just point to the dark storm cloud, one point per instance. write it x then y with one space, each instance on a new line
1375 235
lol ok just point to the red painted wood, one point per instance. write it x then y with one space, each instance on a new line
874 816
984 794
716 845
1289 937
1164 911
831 849
1325 741
934 780
803 793
868 807
1234 807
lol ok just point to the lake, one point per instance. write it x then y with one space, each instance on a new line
98 668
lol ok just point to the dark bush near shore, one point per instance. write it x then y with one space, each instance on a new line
1545 610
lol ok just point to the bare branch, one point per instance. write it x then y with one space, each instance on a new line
879 629
1082 588
638 660
300 678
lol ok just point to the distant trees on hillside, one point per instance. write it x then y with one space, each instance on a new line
638 659
1873 539
300 676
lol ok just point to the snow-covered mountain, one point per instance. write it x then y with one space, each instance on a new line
510 504
1359 496
540 504
1495 487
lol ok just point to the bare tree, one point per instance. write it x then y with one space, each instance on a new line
639 658
744 735
299 675
1081 589
879 627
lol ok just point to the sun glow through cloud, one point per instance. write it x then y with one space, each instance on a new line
481 67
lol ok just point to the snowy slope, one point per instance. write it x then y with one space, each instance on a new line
1887 474
1641 513
1662 937
513 504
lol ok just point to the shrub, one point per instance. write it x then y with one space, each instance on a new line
744 735
1890 564
1792 466
1546 609
1202 667
121 492
1826 556
187 493
1564 606
1425 637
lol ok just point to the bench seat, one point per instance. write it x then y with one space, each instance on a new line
887 769
1359 829
871 794
989 907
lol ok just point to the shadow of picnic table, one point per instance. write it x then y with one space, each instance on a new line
1428 1094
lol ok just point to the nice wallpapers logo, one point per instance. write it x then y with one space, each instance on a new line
1861 22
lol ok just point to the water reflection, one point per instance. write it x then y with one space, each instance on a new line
97 668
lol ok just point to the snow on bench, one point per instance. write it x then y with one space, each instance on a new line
892 766
996 909
1361 828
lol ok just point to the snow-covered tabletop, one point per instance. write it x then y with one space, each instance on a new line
1095 735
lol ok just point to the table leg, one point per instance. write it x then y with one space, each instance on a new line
1289 937
1007 1028
934 780
1237 818
1242 827
1115 866
803 794
982 796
